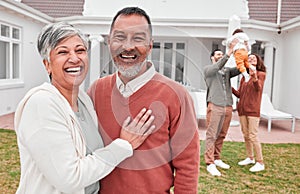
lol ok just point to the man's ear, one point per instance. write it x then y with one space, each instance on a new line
151 44
108 40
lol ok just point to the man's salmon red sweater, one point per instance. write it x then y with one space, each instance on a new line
169 156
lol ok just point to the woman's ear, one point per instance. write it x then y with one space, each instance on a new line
47 66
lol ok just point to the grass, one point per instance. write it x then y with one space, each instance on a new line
282 174
9 162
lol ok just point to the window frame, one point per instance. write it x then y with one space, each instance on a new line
11 81
174 43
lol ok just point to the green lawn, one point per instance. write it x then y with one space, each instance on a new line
282 174
9 162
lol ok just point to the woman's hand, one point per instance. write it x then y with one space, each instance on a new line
253 74
136 131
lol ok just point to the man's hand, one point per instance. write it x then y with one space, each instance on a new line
231 46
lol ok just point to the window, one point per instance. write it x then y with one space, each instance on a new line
107 66
10 52
180 55
258 48
169 58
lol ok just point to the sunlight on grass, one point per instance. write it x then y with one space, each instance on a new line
282 174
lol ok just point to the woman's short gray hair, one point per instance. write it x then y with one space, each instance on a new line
52 34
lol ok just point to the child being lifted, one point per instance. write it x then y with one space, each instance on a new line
240 52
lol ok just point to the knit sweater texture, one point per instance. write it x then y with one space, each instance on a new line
52 146
172 148
249 94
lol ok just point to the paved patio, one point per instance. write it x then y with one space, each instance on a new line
280 133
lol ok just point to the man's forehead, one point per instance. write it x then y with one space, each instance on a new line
134 21
133 28
218 53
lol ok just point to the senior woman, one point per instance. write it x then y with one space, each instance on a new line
60 148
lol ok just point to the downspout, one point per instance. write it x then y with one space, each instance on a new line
278 16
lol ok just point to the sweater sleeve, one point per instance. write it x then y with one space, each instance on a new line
45 133
115 152
234 71
259 84
187 162
210 70
237 92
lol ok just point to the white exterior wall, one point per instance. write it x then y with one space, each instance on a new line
286 79
288 85
198 53
171 8
32 72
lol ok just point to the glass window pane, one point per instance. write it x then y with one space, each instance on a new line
4 30
16 61
168 48
155 57
180 46
4 57
16 33
179 62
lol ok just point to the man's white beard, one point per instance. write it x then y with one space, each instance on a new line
132 71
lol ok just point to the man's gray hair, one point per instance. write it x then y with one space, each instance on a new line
53 34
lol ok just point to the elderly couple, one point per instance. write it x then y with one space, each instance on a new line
135 130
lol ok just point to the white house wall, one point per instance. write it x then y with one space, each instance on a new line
171 8
289 81
285 89
198 52
32 72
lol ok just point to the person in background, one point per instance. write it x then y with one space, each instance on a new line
169 158
248 107
240 52
61 150
219 107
